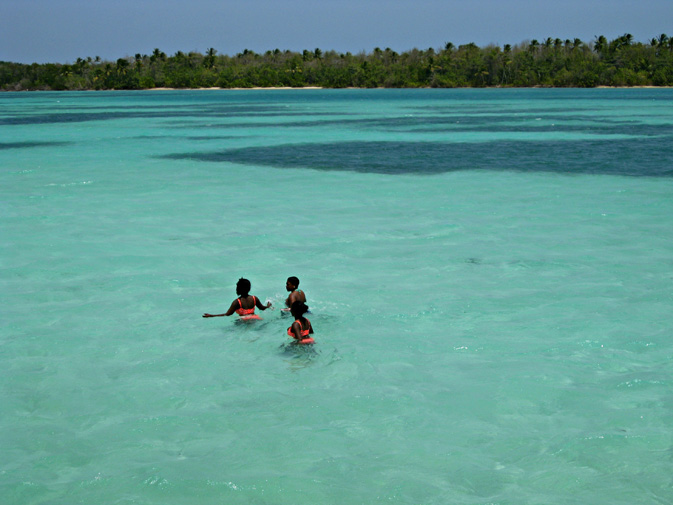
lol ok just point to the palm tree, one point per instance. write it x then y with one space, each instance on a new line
506 63
122 65
532 47
139 61
157 55
390 55
209 61
620 42
601 44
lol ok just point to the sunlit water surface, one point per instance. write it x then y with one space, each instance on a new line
489 273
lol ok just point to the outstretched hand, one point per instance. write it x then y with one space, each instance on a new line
208 315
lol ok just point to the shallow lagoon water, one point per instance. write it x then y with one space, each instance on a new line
489 274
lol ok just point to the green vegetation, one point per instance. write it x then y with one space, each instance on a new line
551 63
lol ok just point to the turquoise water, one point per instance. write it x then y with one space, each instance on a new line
489 274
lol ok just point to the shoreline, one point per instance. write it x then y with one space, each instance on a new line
284 88
256 88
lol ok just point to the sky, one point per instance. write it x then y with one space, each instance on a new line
60 31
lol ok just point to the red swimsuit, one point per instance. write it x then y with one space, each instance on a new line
247 314
305 339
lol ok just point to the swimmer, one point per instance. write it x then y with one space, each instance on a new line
296 295
245 304
301 329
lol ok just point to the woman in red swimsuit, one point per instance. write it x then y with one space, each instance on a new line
245 304
301 329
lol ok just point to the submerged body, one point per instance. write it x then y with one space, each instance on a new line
302 328
244 305
248 313
300 331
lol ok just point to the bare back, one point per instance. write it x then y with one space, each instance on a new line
296 296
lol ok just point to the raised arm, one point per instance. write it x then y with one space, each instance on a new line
262 307
229 312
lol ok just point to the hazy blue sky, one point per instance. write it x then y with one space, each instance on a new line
62 30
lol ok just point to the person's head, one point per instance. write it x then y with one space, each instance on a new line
243 287
298 309
292 283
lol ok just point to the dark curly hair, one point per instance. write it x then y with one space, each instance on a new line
243 287
298 309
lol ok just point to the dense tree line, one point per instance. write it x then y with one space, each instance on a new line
552 63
